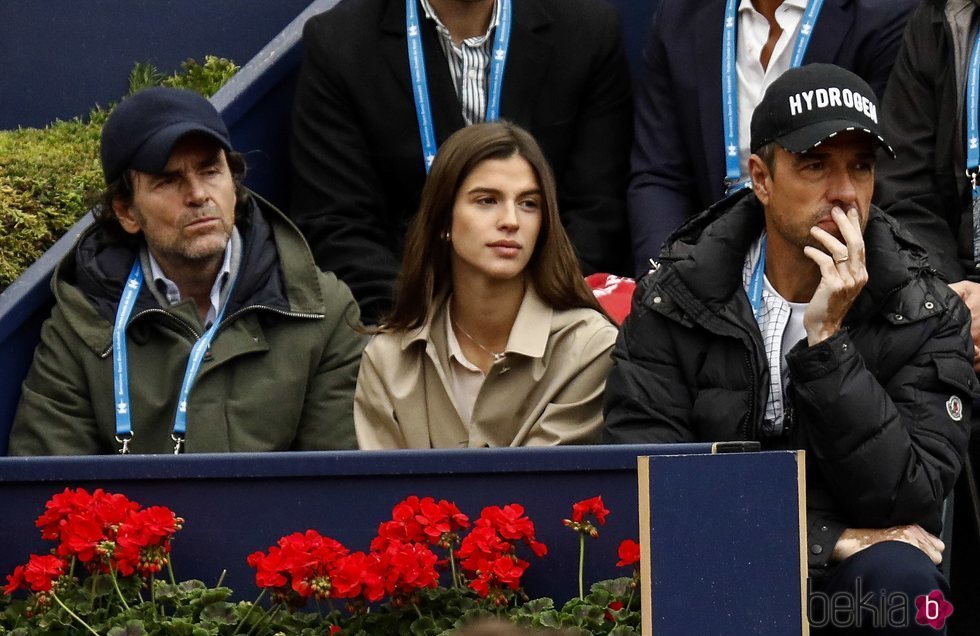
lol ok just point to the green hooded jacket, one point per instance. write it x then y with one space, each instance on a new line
279 375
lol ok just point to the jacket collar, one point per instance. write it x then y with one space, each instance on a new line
528 337
277 272
529 60
833 26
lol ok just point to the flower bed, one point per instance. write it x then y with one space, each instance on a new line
429 570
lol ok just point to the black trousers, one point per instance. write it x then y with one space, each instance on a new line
889 588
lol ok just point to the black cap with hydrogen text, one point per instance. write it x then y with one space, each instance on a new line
807 105
141 131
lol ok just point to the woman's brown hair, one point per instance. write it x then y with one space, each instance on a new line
426 275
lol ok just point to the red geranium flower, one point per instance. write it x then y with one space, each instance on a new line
591 506
408 567
511 524
58 508
359 575
41 572
82 535
15 580
299 566
423 520
143 540
629 553
488 552
580 513
109 531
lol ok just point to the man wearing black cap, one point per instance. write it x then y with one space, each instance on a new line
190 316
799 315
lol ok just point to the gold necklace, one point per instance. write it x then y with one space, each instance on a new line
497 355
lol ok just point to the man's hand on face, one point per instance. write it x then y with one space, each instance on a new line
970 293
853 540
842 275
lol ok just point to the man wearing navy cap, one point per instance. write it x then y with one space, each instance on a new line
797 314
190 316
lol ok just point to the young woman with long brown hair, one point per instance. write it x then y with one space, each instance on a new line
494 339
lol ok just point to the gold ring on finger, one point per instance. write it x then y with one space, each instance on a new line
841 259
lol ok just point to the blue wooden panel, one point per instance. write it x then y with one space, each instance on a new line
237 503
726 544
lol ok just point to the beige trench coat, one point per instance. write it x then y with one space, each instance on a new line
546 391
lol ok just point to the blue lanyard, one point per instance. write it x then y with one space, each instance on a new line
973 141
729 84
420 85
120 366
755 283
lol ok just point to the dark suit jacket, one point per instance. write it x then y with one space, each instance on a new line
925 187
678 162
356 152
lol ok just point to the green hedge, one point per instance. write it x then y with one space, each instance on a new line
50 177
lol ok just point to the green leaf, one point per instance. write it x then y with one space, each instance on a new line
132 628
423 626
144 75
548 619
219 613
537 605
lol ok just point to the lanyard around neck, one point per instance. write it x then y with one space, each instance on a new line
755 283
420 85
120 365
973 141
729 84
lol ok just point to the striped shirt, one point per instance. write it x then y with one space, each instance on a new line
469 64
781 324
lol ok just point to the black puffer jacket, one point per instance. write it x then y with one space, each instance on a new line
881 407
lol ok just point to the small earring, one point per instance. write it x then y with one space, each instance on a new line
446 236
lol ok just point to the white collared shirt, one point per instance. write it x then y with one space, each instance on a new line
753 80
469 64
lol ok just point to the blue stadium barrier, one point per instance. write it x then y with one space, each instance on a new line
61 57
746 579
255 105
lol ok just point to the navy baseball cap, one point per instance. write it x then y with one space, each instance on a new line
141 131
807 105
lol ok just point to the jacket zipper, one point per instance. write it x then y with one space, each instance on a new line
744 427
187 327
197 336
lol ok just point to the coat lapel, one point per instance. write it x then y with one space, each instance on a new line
528 60
833 25
446 110
707 52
